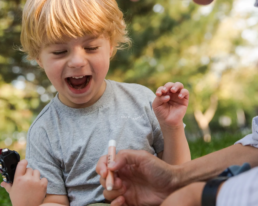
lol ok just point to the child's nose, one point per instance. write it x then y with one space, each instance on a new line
77 59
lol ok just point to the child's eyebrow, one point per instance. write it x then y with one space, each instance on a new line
54 43
88 39
92 38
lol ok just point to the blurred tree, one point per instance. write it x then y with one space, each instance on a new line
15 114
171 42
13 63
18 96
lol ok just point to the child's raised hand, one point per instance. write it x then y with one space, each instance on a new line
171 103
27 188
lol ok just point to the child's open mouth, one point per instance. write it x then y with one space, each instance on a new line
79 82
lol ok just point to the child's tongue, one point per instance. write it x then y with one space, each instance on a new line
79 83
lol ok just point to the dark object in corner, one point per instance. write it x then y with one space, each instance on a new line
8 163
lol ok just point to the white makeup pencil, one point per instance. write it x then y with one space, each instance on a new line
111 158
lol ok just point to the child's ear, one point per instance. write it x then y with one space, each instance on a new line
111 51
39 62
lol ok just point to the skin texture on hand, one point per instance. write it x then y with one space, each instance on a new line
142 179
27 189
170 104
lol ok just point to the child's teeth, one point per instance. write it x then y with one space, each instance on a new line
78 77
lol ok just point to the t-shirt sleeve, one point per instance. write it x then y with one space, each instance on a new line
240 190
251 139
158 141
40 156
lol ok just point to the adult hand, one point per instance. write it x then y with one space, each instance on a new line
170 104
27 188
142 179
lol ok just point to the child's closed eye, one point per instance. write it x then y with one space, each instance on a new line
59 52
91 48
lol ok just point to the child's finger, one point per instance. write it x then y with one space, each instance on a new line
101 167
44 182
119 201
36 174
177 87
184 94
161 90
21 168
160 100
29 172
6 186
169 85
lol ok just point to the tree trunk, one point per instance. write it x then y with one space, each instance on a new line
203 119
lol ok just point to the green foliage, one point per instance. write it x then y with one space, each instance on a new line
4 196
169 46
172 41
200 148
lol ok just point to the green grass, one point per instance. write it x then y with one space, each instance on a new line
198 148
4 197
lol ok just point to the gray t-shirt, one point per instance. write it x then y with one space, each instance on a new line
65 143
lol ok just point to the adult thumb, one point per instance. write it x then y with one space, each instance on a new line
6 186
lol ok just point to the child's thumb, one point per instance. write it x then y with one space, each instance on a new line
6 186
159 101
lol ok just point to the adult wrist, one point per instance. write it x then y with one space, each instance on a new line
210 191
212 187
177 178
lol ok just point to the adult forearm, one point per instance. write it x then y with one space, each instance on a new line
176 149
211 165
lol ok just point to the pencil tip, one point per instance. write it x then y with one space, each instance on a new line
109 188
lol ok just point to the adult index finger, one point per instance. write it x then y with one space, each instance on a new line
129 157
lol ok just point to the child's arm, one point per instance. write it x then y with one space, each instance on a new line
170 107
27 189
56 200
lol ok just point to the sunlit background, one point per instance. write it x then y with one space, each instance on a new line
211 49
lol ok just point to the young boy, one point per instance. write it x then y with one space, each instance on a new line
73 41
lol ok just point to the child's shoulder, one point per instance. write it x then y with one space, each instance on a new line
132 88
43 120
